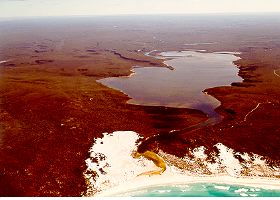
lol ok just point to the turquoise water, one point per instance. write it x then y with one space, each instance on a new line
203 190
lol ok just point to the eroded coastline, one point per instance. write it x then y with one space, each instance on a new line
112 170
222 162
43 154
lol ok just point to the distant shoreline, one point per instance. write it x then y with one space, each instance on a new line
143 15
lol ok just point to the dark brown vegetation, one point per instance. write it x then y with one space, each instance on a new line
52 108
251 113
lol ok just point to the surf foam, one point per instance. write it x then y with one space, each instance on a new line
111 165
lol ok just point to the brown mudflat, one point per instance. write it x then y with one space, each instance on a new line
52 108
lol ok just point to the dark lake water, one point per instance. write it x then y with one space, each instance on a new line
182 87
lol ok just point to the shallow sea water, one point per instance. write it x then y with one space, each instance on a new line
183 87
203 190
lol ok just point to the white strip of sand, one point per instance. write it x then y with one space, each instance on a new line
112 170
168 178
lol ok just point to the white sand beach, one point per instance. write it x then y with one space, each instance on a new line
112 170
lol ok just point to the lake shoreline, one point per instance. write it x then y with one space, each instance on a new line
52 108
192 96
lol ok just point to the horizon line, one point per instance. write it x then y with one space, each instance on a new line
146 14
